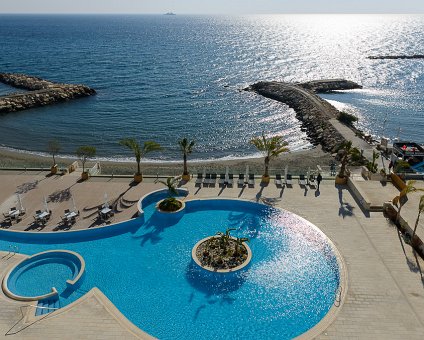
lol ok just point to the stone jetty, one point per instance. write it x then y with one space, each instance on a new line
414 56
314 112
40 92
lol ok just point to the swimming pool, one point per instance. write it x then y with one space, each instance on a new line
147 271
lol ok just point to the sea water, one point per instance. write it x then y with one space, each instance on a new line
162 78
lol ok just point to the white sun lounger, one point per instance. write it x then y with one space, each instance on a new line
230 179
251 180
240 180
302 180
311 181
278 182
289 179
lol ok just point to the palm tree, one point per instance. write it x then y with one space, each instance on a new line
170 203
271 147
84 153
420 210
401 198
140 152
171 183
186 148
348 152
53 147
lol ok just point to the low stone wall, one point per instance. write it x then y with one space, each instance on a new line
314 112
41 92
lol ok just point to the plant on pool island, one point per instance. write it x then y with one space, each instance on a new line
84 153
271 147
222 251
186 148
140 152
170 204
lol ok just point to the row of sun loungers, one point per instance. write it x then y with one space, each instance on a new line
303 181
211 179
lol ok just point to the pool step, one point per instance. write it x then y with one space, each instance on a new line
52 305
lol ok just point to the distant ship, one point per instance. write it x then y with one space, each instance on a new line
169 13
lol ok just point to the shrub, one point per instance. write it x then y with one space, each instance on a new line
347 118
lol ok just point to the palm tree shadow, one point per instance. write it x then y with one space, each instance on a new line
414 266
345 209
259 194
241 191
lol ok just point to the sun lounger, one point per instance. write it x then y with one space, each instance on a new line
289 179
251 180
278 182
207 179
212 181
302 180
221 180
230 179
311 181
199 179
240 181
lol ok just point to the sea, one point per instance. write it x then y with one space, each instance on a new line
162 78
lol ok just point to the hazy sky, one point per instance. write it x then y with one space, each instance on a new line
212 6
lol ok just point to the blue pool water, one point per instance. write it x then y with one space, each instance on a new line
41 277
147 272
419 167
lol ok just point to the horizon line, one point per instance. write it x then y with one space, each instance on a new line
223 14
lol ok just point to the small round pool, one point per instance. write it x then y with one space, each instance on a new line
43 275
148 273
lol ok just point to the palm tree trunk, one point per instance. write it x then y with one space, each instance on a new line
266 174
138 168
54 161
185 172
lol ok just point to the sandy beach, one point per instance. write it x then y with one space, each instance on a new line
297 162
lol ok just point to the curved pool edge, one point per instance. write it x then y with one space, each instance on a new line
54 292
65 235
319 328
332 314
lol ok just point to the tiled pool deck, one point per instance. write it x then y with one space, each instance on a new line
385 293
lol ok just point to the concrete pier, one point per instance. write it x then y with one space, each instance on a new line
314 112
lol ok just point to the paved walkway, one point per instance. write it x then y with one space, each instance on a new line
385 292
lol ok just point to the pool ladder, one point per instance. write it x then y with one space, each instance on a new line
12 252
338 296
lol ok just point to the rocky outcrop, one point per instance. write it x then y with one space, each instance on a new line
314 112
329 85
414 56
40 92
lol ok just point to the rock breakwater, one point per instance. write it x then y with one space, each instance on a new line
414 56
40 92
314 112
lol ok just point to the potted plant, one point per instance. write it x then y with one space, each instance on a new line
170 204
53 148
373 166
140 152
347 152
186 148
84 153
271 147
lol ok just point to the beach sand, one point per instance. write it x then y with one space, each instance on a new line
297 162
